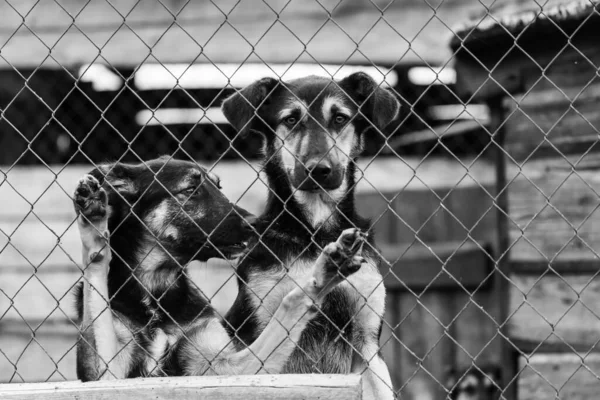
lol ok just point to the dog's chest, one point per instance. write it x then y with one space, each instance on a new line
267 290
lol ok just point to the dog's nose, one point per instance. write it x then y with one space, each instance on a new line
318 171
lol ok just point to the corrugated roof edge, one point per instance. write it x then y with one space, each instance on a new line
491 26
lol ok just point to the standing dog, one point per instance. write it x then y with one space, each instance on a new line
313 131
140 314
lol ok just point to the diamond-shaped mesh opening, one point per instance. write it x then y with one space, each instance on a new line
481 193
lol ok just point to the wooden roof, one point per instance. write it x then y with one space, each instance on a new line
554 24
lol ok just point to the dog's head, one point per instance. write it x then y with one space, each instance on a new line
474 383
314 127
176 203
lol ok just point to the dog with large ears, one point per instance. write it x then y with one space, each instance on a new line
313 129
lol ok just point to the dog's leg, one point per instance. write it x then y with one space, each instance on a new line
271 350
91 207
377 383
281 335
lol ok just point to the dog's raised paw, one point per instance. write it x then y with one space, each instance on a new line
344 254
90 199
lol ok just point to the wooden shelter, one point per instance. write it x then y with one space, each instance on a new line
538 71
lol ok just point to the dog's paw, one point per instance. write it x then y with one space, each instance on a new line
344 257
90 199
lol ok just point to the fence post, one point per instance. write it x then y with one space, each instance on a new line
508 356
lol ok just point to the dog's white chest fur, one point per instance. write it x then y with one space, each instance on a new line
365 288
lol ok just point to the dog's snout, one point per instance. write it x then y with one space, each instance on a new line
313 175
319 171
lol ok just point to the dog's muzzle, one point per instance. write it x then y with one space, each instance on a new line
317 175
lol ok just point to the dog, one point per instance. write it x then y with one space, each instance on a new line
474 383
140 315
313 130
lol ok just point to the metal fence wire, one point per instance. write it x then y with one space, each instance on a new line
482 194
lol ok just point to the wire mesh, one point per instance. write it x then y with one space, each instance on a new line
482 193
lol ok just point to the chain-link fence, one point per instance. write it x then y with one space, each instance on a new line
481 193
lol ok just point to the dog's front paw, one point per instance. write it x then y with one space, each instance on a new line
90 199
344 257
91 204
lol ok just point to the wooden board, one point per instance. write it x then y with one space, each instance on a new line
425 350
564 376
489 74
49 190
555 117
48 293
480 345
424 321
46 355
553 211
555 312
210 388
127 33
441 266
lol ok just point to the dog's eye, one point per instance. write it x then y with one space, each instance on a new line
189 191
340 119
291 121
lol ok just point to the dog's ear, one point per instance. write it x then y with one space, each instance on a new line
117 177
378 105
241 107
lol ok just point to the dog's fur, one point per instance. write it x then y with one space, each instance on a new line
474 383
313 131
157 216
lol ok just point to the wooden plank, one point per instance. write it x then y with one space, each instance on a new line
38 296
442 266
453 224
561 266
49 190
561 118
46 355
377 207
425 350
565 376
555 311
436 133
479 345
128 33
217 387
481 77
553 211
38 243
475 216
453 212
47 294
